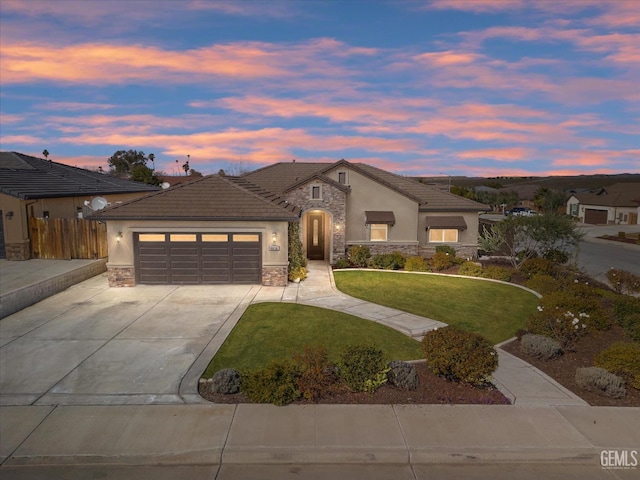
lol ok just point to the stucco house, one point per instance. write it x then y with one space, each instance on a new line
225 229
35 187
345 204
616 204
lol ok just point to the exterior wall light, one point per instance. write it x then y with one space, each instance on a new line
9 215
119 236
274 238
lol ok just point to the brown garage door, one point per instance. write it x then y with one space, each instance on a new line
595 217
197 258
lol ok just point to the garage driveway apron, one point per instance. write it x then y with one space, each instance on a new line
92 344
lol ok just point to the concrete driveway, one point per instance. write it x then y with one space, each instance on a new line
92 344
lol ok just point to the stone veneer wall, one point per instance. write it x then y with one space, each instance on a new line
380 248
18 251
333 201
121 276
462 251
274 276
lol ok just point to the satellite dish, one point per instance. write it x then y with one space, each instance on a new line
165 185
98 203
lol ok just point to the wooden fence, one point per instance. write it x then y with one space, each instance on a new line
67 238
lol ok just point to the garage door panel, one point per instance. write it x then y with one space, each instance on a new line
595 217
208 260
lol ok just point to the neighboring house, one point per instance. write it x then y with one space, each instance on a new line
347 204
616 204
34 187
212 230
223 229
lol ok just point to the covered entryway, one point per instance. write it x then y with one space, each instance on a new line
595 217
198 258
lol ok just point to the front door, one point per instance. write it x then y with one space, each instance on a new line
315 237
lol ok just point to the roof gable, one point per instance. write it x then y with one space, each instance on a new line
213 197
27 177
616 195
284 177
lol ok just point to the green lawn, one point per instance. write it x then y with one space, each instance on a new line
494 310
269 331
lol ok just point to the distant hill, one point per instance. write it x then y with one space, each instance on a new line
578 182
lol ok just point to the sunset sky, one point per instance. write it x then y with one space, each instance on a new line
440 87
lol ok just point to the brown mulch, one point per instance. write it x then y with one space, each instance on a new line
563 368
431 390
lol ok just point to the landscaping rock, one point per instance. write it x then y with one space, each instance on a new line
226 381
402 375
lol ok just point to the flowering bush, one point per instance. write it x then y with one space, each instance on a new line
560 324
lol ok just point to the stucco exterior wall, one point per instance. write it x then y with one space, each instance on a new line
369 195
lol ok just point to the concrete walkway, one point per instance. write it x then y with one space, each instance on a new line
316 441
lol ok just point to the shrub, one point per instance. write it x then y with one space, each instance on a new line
631 325
567 314
442 261
342 263
317 374
623 281
600 381
387 261
533 266
496 273
542 283
416 264
458 355
361 367
622 359
558 256
539 346
402 375
470 269
448 249
359 255
276 383
625 305
297 273
226 381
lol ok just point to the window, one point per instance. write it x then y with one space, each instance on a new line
315 192
342 178
443 235
215 237
152 237
182 237
378 232
246 237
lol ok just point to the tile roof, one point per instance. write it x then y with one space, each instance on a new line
280 177
616 195
27 177
213 197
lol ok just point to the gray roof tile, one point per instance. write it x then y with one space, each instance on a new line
27 177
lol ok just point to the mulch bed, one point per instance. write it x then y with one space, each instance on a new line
563 369
431 390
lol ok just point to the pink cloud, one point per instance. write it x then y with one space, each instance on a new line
595 158
20 140
117 64
513 154
478 6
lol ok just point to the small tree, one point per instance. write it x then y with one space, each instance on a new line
548 201
526 237
297 260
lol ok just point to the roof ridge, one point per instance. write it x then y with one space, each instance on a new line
258 191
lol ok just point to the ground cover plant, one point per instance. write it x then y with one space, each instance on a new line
494 310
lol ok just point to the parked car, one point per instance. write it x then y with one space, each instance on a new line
521 211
